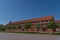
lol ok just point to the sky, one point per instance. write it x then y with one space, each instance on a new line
17 10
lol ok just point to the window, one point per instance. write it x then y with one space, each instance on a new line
44 25
42 21
22 24
47 21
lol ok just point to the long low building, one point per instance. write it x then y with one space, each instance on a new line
42 20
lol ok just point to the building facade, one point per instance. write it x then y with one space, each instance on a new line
43 23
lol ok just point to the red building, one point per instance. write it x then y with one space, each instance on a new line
43 21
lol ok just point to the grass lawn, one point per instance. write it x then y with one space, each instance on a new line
43 33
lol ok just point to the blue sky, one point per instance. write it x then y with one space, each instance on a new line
16 10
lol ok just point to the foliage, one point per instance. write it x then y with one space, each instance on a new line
38 25
27 25
2 28
52 24
18 26
13 26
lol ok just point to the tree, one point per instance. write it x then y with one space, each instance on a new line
13 26
27 26
2 27
18 26
38 26
52 25
10 27
7 28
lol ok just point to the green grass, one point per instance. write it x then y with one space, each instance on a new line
43 33
31 33
56 33
27 32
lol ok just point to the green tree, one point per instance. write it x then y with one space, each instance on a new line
9 27
27 26
18 27
52 25
38 26
13 26
2 27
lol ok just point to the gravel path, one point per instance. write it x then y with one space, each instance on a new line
14 36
